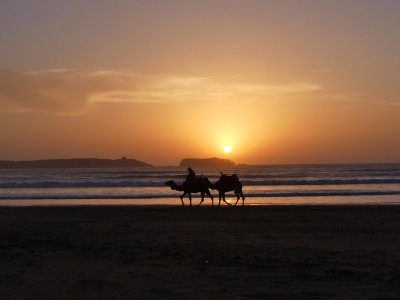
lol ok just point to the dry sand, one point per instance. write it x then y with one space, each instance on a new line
156 252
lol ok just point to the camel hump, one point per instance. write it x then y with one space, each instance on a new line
201 179
197 181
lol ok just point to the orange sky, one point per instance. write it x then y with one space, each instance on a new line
279 81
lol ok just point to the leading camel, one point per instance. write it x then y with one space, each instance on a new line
194 185
227 183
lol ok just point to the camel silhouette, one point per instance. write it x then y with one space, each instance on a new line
227 183
194 185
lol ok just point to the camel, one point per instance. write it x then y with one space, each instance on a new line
195 185
227 183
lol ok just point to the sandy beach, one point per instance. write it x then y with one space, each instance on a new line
170 252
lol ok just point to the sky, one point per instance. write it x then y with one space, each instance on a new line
281 82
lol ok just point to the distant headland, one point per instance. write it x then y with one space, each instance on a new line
214 161
74 163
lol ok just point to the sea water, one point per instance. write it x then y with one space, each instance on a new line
288 184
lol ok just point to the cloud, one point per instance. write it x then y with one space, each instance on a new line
59 91
73 91
181 89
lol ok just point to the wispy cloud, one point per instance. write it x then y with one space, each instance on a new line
58 91
72 91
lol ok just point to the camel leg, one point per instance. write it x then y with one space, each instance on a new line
202 198
237 194
223 198
240 192
212 198
220 197
226 201
183 195
237 200
190 199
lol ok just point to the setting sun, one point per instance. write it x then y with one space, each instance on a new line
227 148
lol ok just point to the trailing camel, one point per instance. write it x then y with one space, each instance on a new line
227 183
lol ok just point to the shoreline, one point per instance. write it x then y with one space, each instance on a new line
195 206
388 200
159 252
215 208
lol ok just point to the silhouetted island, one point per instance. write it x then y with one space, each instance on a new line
214 161
74 163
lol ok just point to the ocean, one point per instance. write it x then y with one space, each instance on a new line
262 185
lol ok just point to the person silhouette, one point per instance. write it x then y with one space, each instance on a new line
191 174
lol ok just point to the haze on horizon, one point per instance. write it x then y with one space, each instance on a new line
278 81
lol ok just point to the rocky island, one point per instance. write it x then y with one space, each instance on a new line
74 163
214 161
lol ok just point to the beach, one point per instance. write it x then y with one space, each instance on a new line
172 252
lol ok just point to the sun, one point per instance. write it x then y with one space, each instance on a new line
227 148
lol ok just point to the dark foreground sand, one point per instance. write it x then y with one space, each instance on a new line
136 252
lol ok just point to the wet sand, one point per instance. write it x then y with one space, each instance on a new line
170 252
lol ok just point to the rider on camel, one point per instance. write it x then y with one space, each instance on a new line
191 175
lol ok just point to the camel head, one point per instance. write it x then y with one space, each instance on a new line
171 184
214 187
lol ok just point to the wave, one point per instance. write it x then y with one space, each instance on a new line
163 177
322 182
91 184
323 193
81 197
133 183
